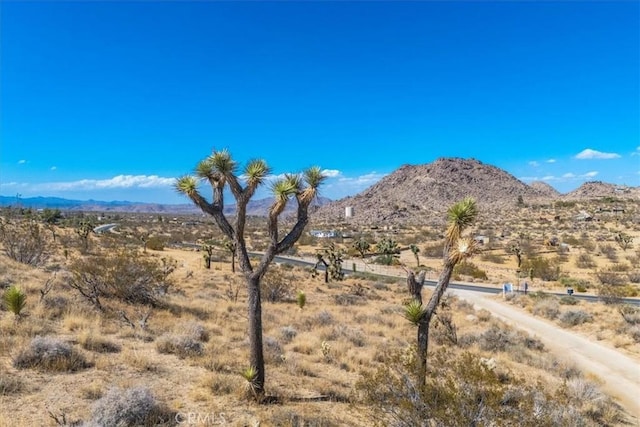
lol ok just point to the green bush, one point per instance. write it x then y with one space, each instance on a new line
467 268
580 285
155 243
542 268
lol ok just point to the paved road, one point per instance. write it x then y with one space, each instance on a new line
104 228
400 274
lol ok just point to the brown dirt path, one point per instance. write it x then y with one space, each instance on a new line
620 374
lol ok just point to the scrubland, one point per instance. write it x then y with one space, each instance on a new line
130 328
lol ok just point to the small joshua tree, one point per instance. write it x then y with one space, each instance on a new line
415 250
331 258
456 249
624 241
14 300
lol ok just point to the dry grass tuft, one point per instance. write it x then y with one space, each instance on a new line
50 354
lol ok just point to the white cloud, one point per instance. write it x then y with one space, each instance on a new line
119 181
331 173
22 162
569 175
590 174
551 161
593 154
53 168
534 164
549 178
637 152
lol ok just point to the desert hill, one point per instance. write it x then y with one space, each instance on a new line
422 193
545 189
599 189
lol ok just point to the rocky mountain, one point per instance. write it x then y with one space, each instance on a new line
599 189
418 193
545 189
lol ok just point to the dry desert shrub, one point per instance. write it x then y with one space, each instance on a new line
25 241
50 354
547 307
186 341
180 345
575 317
10 384
90 341
125 275
288 333
498 338
128 408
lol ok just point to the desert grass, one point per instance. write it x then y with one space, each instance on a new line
315 355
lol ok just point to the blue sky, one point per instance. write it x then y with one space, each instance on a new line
113 100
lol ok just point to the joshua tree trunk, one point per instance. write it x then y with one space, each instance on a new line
423 325
256 357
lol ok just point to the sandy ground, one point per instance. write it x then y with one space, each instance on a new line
620 374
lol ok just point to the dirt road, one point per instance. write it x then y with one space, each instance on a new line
620 374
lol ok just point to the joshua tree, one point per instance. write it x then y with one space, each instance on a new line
207 248
83 229
456 249
362 246
333 268
220 171
624 241
388 248
231 247
415 250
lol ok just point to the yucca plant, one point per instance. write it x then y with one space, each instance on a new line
251 375
14 300
301 298
414 312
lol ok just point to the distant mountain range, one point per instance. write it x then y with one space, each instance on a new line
257 207
412 193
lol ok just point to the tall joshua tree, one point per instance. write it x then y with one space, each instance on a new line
456 249
220 171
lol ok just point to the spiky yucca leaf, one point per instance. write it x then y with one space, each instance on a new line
222 162
414 312
186 185
462 249
282 189
249 374
251 386
256 171
314 178
460 215
204 169
14 300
